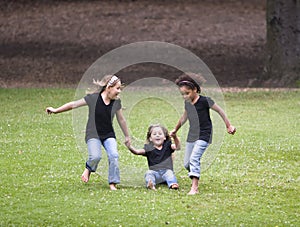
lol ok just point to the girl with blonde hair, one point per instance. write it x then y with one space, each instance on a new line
103 106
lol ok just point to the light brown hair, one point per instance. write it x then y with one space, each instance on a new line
150 129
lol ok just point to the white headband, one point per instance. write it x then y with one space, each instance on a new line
112 81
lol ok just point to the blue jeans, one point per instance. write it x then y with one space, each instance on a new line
160 176
192 157
95 154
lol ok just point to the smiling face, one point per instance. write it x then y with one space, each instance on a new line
157 136
188 94
114 91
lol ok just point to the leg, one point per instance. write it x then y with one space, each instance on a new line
194 174
194 189
188 151
150 178
94 157
169 177
110 146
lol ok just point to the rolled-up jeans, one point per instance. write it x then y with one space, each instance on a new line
95 154
192 157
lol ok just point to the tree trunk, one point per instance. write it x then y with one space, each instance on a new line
283 43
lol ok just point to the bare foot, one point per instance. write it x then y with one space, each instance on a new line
113 187
85 175
193 191
174 186
151 185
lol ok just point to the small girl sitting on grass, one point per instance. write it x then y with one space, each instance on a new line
158 150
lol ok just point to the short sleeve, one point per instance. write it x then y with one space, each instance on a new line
210 102
186 105
87 98
118 104
91 99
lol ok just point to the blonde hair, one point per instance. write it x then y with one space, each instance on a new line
101 85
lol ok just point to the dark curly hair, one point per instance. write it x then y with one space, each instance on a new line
188 79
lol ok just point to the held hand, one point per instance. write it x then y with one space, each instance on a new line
50 110
173 133
231 129
127 141
174 136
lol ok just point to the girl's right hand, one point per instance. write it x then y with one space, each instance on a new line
127 141
50 110
231 129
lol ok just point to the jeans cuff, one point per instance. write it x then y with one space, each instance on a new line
191 175
88 167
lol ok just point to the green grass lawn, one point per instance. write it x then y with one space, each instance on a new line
253 181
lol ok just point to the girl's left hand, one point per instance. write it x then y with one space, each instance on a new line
173 133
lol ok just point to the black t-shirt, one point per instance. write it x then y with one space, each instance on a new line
199 119
100 120
159 159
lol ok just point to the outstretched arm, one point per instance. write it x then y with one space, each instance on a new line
230 128
66 107
181 121
136 151
123 125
